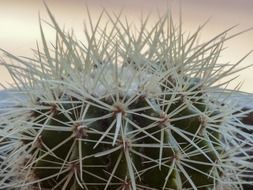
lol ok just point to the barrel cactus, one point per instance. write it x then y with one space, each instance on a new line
124 109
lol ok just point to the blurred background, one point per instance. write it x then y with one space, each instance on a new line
19 26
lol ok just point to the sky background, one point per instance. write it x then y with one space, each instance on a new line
19 28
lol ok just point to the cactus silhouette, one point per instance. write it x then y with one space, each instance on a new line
125 109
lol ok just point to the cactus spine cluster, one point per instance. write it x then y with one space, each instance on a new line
125 110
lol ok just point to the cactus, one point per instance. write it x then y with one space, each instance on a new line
123 110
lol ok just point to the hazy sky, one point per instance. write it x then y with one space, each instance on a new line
19 23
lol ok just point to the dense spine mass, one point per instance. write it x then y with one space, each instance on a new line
123 110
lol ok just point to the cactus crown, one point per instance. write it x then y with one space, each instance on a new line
123 110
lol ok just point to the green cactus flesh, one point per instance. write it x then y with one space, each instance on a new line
76 151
